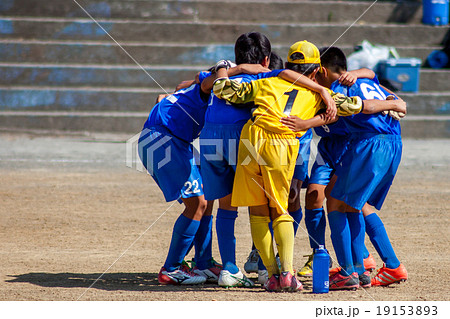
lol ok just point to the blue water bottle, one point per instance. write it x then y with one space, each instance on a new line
321 278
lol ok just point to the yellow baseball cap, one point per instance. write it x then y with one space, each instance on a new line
309 51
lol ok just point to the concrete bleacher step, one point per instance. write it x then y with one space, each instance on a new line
70 99
251 11
142 76
85 75
206 32
151 53
60 71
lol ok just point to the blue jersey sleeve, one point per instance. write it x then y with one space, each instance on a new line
270 74
203 75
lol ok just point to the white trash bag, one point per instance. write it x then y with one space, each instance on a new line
369 56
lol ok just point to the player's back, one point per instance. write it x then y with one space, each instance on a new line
276 98
377 123
182 113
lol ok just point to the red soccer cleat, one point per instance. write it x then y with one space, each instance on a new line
387 276
288 282
273 284
340 282
369 263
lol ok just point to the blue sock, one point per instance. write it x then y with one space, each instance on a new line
225 237
341 239
183 235
297 215
315 221
203 243
380 240
358 233
366 252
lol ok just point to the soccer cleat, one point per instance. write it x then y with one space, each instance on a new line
227 279
273 284
185 266
306 270
387 276
340 282
334 271
369 263
179 276
251 265
212 273
263 276
364 280
288 282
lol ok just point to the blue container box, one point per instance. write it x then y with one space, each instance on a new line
435 12
403 73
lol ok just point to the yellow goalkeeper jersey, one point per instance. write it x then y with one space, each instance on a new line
276 98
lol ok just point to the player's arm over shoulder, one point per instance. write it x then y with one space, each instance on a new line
233 91
346 105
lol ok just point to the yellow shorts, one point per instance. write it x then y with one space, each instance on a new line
265 167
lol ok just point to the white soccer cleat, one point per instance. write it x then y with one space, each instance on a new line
179 277
211 274
227 279
263 276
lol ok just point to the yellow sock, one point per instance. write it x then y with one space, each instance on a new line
283 231
262 238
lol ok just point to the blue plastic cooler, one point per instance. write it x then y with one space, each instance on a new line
435 12
403 73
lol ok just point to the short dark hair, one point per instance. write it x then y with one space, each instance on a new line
333 59
276 62
303 68
252 47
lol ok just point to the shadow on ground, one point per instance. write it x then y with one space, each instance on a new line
110 282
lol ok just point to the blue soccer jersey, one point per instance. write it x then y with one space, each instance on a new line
182 113
368 123
223 112
334 130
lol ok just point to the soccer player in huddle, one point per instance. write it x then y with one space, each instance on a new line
267 155
374 148
164 148
365 175
166 151
219 147
333 143
218 151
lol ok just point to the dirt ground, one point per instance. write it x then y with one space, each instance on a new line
71 210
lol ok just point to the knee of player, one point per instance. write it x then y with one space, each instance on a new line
202 205
314 199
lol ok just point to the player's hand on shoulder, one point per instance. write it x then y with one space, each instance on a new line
252 68
348 78
222 64
399 110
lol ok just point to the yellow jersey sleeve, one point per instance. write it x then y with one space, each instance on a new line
347 105
235 92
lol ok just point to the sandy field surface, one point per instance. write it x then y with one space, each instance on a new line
71 210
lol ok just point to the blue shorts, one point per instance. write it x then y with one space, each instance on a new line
367 169
219 145
301 166
170 161
329 153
